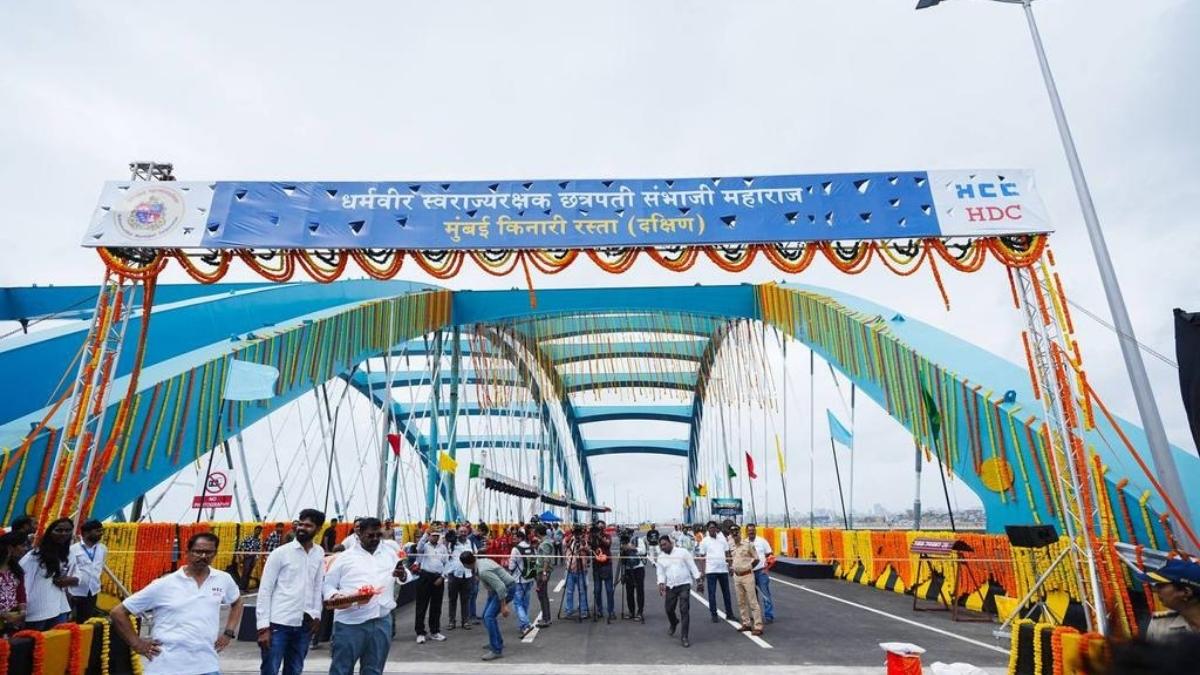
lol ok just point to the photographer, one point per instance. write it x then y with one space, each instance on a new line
633 569
579 555
602 570
458 579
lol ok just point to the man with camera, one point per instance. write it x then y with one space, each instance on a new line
458 577
602 570
579 558
633 574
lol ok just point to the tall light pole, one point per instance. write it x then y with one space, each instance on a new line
1156 435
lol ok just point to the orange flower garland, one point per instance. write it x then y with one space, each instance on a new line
791 258
39 649
75 662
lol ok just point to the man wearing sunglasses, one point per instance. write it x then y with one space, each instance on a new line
186 604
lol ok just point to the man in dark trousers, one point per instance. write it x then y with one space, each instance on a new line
633 570
431 560
545 563
676 571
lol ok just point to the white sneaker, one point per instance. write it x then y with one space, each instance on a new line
421 639
437 637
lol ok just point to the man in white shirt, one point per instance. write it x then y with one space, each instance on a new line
362 630
458 578
676 570
187 614
288 609
87 564
431 560
633 574
762 580
713 549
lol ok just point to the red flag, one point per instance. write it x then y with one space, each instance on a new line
394 441
750 465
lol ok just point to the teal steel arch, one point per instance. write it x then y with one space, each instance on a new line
318 332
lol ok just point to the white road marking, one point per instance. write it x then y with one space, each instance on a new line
901 619
754 638
533 633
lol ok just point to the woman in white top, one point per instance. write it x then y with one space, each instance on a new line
47 577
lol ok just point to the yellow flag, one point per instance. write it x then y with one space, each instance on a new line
446 462
779 455
703 490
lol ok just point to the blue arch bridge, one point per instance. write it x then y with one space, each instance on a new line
429 360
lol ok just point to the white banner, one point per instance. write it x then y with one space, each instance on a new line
151 214
218 494
987 203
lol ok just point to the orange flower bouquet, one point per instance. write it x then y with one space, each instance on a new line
360 597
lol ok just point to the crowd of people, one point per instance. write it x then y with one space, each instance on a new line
352 587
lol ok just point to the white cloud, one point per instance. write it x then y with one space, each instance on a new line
546 89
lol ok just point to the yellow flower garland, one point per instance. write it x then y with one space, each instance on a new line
135 659
104 627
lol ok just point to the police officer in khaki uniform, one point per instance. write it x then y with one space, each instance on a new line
743 558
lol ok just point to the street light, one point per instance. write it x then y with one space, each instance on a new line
1156 435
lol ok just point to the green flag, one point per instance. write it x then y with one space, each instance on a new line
931 410
475 469
732 473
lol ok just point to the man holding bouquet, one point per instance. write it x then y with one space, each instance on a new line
360 587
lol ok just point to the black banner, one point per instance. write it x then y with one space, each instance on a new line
1187 353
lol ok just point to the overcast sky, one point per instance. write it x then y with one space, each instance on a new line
476 90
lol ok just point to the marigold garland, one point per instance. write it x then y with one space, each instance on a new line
791 258
135 659
256 262
39 649
105 627
75 662
218 260
380 265
322 269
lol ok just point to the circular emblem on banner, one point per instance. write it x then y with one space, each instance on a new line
150 211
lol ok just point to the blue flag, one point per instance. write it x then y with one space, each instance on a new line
250 381
839 432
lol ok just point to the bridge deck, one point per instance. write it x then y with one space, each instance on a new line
821 626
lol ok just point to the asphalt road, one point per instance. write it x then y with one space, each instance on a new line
821 626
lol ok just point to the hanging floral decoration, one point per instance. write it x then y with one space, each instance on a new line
902 257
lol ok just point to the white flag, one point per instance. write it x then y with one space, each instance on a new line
250 381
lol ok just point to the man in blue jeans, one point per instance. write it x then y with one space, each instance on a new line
762 580
501 586
522 566
602 571
288 608
579 556
714 550
362 624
